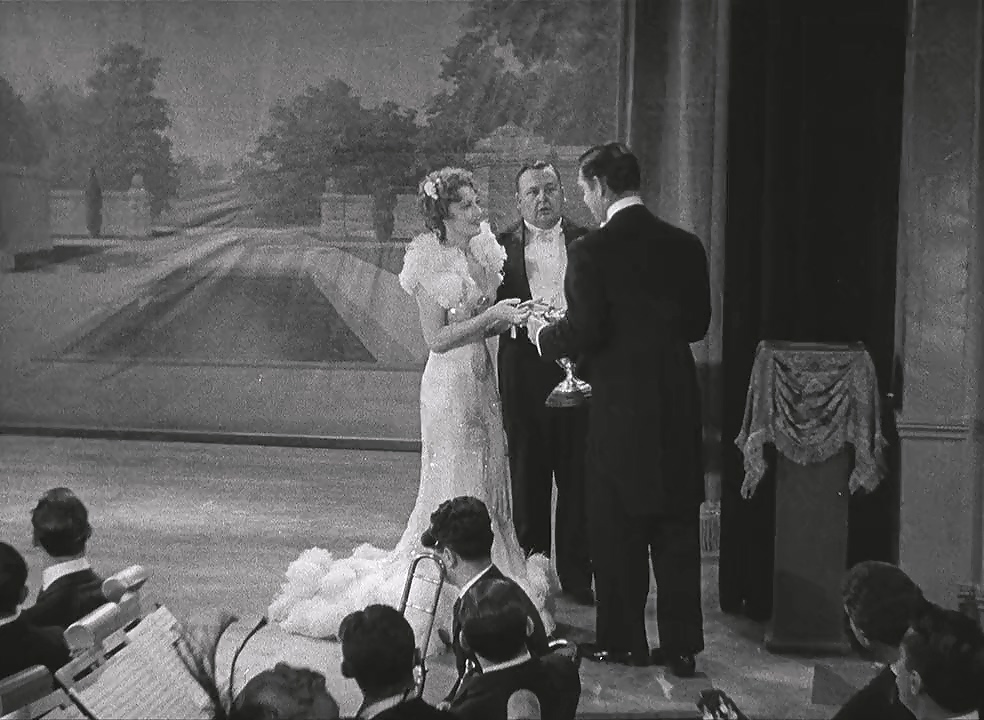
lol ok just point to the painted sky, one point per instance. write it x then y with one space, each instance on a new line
225 63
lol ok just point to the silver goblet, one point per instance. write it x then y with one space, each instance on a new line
571 391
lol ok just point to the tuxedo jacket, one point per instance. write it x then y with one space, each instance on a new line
554 679
67 599
24 645
537 643
878 700
415 709
638 294
518 355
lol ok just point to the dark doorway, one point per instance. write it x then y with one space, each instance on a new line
814 137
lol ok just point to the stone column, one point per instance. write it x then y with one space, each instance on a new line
332 211
138 202
677 120
939 301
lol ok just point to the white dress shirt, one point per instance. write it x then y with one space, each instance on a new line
10 618
467 586
371 711
492 667
546 263
620 205
50 574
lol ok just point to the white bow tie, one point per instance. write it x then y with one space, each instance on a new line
539 234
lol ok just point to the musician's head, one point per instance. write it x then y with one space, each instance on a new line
13 579
495 623
284 693
539 194
940 669
880 601
60 524
449 204
379 652
461 534
607 173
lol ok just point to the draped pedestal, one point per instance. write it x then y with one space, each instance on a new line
818 405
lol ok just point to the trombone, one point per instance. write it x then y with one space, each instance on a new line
429 610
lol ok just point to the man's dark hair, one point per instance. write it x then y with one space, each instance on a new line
13 578
946 648
537 165
61 523
463 525
614 163
881 600
494 619
378 648
283 693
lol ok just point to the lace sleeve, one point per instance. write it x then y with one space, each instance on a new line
426 266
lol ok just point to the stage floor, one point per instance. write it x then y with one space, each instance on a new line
217 525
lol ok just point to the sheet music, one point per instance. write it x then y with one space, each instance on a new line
145 680
158 623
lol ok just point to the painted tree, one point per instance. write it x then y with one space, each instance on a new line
129 123
62 118
550 66
20 142
326 133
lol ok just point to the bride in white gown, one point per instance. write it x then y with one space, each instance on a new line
452 270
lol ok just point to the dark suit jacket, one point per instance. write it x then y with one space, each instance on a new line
554 679
520 366
878 700
415 709
68 599
537 642
638 293
23 645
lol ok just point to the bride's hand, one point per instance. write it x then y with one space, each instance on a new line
506 312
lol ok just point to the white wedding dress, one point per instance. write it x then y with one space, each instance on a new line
463 453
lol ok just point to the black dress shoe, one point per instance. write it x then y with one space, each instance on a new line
594 653
581 596
683 666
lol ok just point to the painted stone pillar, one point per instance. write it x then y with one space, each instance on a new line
939 301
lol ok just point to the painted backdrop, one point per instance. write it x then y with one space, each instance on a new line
206 204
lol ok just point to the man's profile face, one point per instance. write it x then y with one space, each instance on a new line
594 196
540 197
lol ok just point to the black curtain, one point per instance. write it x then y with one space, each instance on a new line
814 137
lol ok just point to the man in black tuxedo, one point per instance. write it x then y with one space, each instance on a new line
22 643
496 628
69 588
637 295
544 443
461 533
379 652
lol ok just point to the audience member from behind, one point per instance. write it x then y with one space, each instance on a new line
496 627
23 644
379 652
69 587
940 670
283 693
880 601
461 534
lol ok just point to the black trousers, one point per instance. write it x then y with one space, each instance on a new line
622 548
547 444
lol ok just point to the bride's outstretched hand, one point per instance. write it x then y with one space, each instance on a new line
507 312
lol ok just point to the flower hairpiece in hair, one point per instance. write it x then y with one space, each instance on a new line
430 189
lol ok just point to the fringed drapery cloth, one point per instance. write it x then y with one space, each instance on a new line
810 401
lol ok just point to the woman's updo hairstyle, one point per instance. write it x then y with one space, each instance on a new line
436 193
